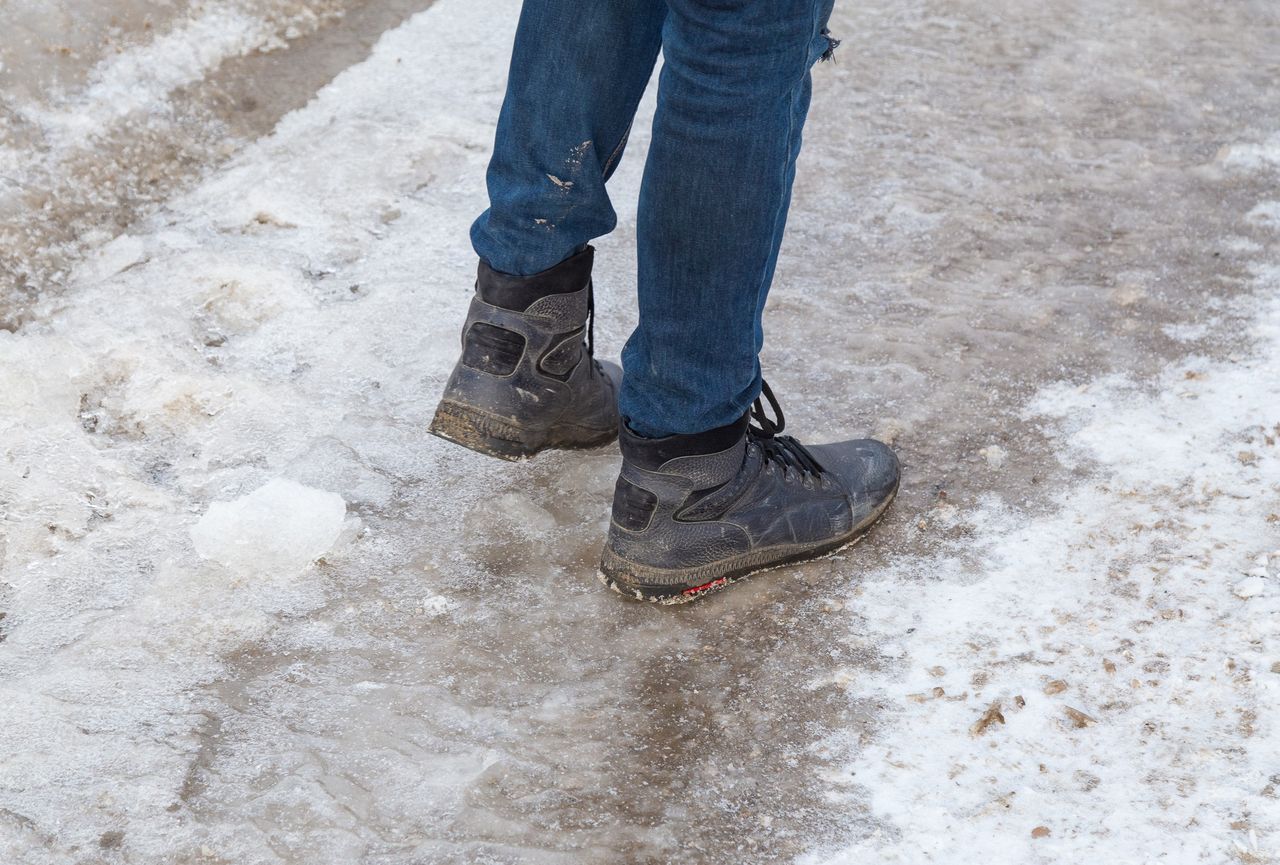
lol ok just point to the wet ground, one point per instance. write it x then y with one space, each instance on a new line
994 197
1019 201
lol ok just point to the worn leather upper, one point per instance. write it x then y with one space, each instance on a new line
529 367
704 508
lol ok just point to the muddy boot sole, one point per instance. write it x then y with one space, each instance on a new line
668 587
491 436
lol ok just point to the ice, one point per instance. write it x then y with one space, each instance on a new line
109 108
994 455
517 511
120 254
1003 237
1252 156
279 528
1133 621
1250 587
438 605
1266 214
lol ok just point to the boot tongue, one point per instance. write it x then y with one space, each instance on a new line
518 293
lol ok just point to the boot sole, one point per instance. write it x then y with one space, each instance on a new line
488 435
680 586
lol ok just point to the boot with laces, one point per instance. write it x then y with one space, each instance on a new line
527 379
692 514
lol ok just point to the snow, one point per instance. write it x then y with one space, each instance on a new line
281 527
181 442
1133 673
140 77
994 455
252 613
1253 156
1250 587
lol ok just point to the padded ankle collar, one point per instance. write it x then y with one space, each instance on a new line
518 293
652 454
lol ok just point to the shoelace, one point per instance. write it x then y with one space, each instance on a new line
784 450
591 318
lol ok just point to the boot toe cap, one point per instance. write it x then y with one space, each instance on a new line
869 469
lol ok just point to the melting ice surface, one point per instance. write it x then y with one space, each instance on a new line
204 657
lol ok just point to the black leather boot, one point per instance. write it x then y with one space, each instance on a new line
526 381
692 514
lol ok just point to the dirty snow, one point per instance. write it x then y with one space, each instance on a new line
108 109
1133 672
140 78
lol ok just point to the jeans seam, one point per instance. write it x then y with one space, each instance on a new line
617 151
791 131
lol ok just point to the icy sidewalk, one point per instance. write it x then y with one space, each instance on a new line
110 108
286 321
241 388
1101 679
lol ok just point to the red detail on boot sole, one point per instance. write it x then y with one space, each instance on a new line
706 587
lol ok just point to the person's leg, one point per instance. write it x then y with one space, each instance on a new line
526 381
733 98
704 497
577 74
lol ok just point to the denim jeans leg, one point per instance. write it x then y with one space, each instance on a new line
732 102
578 71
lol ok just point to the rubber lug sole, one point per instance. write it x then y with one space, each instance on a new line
485 434
710 579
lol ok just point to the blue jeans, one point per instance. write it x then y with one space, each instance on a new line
732 100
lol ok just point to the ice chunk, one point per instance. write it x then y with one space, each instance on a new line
1250 587
1265 214
438 605
119 255
240 297
280 527
994 455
